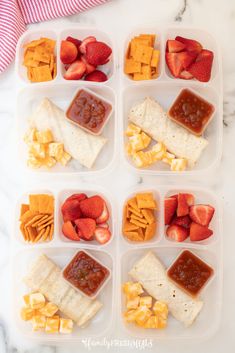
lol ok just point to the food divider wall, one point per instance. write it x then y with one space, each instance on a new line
119 254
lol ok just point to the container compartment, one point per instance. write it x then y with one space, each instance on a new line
100 324
62 95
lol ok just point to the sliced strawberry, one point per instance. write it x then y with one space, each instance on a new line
174 63
202 214
68 52
97 53
102 235
71 210
75 41
92 207
199 232
75 71
189 197
89 68
104 215
69 231
177 233
185 75
104 225
96 76
183 221
190 44
84 43
78 197
201 68
183 207
187 58
86 227
174 46
170 205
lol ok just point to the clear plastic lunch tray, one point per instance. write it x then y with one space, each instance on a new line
119 254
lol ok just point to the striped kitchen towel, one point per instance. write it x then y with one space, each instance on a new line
16 14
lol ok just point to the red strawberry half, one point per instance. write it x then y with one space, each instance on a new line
97 53
201 68
75 71
89 68
69 231
68 52
86 227
96 76
92 207
183 207
170 205
183 221
104 215
84 43
185 75
198 232
71 210
174 46
174 63
75 41
202 214
190 44
78 197
177 233
102 235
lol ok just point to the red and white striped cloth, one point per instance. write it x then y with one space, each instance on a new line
16 14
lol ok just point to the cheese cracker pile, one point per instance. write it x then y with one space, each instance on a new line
139 140
40 60
139 220
42 315
37 218
43 150
142 60
141 310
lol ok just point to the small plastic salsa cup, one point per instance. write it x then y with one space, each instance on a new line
89 111
190 273
86 274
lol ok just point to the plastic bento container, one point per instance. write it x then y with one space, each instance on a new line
165 88
61 92
118 256
210 251
61 250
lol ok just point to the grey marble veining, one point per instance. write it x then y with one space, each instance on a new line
118 17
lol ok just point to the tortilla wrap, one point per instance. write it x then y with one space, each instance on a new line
150 272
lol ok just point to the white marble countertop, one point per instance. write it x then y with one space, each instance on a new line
117 18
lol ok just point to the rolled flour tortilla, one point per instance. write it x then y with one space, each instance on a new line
150 272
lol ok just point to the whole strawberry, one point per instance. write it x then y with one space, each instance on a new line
97 53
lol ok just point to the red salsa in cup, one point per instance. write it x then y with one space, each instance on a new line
85 273
189 272
89 111
191 111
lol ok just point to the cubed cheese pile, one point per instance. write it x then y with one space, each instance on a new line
43 316
141 310
43 150
142 59
138 141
